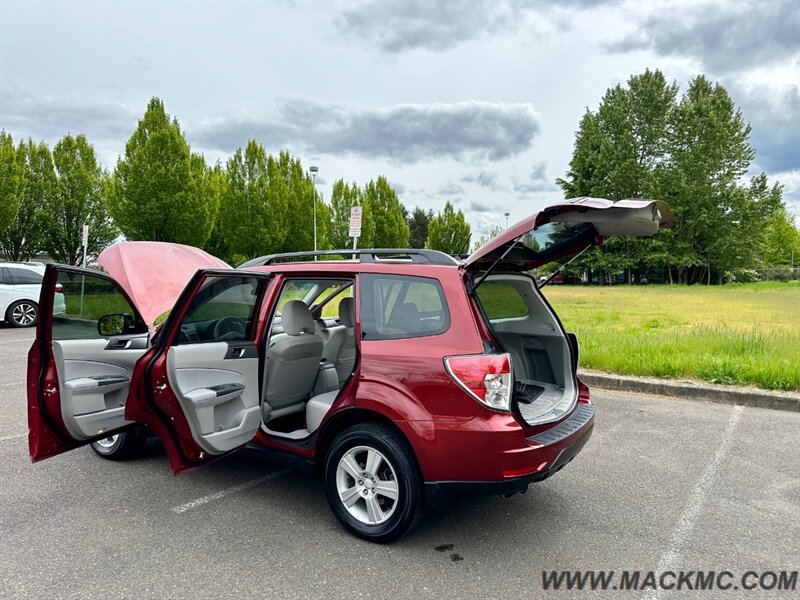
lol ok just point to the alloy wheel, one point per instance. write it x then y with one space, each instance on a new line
108 442
367 485
24 313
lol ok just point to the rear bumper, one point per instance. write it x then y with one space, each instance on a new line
551 451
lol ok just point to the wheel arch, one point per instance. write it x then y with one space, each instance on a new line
348 417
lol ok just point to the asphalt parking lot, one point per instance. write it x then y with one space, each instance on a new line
663 484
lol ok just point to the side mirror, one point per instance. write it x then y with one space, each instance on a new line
116 324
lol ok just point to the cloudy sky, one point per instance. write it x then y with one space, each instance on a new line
468 101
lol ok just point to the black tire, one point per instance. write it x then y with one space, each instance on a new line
409 506
128 444
22 313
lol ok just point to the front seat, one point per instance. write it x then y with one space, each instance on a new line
346 357
292 361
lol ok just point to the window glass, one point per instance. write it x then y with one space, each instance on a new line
5 278
314 292
331 298
221 310
550 234
294 290
501 300
80 302
24 276
397 307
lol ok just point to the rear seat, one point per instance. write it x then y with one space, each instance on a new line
317 408
341 351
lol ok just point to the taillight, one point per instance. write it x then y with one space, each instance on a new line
486 377
59 288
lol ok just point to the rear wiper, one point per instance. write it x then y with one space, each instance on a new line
562 267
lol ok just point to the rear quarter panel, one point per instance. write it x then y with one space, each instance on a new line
405 380
408 376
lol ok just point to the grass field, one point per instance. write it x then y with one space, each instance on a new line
734 334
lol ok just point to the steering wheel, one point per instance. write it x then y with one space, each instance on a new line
230 328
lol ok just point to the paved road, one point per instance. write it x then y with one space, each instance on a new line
663 485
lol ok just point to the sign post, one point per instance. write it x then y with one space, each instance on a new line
85 243
355 224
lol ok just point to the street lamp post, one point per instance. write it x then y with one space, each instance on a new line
507 219
314 170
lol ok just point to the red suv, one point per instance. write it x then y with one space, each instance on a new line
405 376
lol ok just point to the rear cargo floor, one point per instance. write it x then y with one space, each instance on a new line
544 403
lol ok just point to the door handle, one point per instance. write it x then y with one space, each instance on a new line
236 352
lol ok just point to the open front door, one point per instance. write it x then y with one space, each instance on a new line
88 339
199 387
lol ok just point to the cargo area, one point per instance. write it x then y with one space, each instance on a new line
544 377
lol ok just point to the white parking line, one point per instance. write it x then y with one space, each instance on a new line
29 340
227 492
697 498
5 438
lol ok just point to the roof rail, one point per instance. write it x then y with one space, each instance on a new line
368 255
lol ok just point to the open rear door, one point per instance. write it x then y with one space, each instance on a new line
567 228
88 339
199 387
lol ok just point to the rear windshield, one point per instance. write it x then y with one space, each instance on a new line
550 234
398 307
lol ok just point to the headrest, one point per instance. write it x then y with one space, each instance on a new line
347 312
407 309
297 318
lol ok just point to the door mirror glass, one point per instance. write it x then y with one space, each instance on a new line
116 324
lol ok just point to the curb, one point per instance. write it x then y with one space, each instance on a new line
693 390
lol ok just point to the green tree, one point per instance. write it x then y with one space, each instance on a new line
643 142
418 222
617 153
484 239
448 231
11 174
23 238
160 189
782 240
78 200
343 197
253 211
709 153
389 228
301 196
216 244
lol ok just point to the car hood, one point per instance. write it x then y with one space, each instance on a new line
155 273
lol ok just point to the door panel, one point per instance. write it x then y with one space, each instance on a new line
94 379
78 378
199 386
221 404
